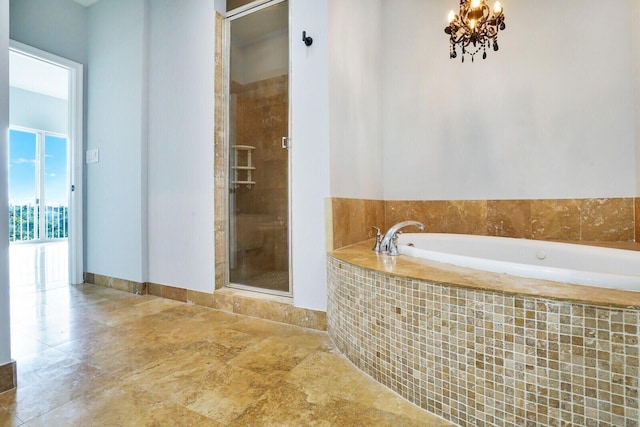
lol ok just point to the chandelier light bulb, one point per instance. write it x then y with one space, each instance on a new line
472 24
475 4
497 8
452 16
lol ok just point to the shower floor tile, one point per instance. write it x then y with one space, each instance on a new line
273 280
143 360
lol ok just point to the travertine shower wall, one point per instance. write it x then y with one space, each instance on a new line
261 121
606 219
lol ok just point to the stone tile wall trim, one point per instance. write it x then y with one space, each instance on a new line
278 311
478 357
116 283
605 219
219 163
637 218
352 220
8 378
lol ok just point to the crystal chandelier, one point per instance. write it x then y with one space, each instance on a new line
475 25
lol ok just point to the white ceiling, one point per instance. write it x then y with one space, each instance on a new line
38 76
86 2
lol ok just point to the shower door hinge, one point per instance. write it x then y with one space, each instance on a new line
286 142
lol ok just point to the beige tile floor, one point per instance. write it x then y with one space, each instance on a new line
95 356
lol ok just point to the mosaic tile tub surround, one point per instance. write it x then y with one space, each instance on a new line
481 357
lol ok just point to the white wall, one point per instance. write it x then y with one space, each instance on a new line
116 186
551 115
310 152
55 26
5 320
37 111
181 101
355 64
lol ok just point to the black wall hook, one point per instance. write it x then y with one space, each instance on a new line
307 40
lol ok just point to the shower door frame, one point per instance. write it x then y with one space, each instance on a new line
230 16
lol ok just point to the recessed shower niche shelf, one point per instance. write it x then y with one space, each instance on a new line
245 170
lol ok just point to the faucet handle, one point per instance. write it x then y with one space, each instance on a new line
376 247
393 244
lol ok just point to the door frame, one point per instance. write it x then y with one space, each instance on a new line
232 15
76 144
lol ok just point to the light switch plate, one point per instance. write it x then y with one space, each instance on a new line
92 156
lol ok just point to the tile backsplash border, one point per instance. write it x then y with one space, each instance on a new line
603 219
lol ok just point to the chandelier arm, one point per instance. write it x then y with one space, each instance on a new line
462 40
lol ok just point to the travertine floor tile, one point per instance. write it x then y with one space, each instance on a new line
263 328
121 406
324 376
287 405
271 354
92 356
35 363
374 395
56 331
57 385
230 391
7 419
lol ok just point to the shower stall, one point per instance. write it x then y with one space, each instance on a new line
257 87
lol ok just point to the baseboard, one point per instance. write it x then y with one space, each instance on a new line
277 309
8 378
115 283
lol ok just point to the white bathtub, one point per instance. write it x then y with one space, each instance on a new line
560 262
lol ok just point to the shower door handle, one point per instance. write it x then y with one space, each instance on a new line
286 143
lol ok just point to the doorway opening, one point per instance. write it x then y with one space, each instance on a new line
38 209
45 170
257 88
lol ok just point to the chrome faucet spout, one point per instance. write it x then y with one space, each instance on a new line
389 243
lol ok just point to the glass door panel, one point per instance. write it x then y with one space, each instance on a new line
258 164
55 218
23 186
38 186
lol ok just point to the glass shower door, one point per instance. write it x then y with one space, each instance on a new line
258 84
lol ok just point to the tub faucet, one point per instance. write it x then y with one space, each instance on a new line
389 243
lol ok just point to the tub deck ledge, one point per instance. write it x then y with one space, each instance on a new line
360 254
